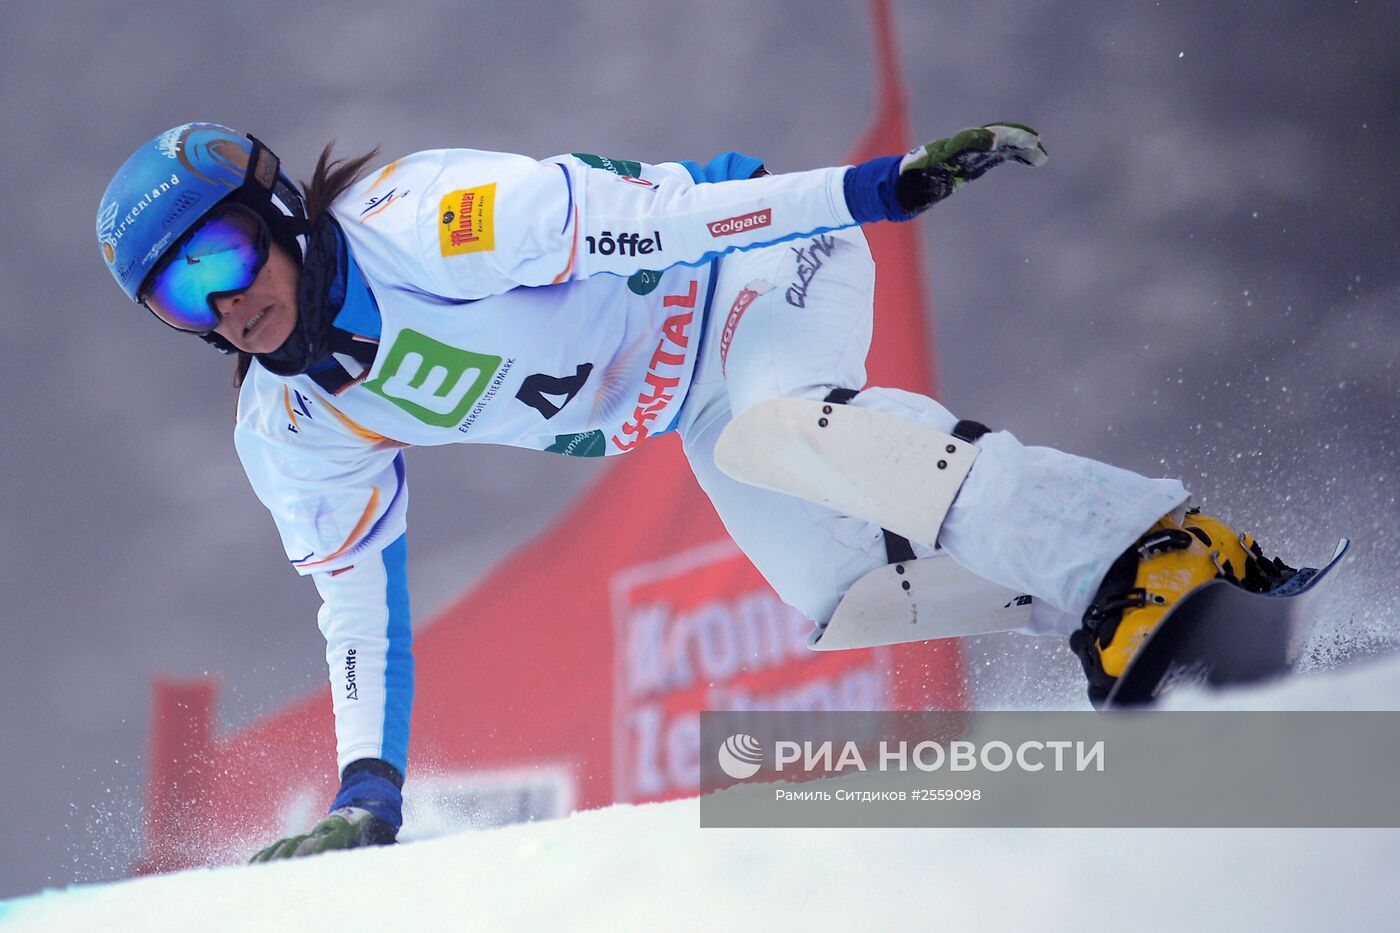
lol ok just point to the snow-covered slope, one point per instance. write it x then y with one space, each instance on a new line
653 868
1366 685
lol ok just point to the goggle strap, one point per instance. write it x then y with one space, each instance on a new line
263 165
261 184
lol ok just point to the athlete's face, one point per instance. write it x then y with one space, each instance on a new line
260 318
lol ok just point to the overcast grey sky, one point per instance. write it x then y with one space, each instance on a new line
1202 282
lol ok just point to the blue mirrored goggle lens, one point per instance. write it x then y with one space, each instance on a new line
224 254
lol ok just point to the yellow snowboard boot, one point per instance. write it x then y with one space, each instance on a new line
1169 561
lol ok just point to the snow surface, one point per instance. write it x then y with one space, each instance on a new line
652 868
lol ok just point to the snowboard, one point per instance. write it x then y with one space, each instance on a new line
1223 634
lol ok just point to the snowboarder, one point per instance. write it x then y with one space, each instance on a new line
579 305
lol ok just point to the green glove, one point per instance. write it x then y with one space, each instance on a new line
345 828
929 173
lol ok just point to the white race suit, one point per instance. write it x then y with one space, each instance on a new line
581 304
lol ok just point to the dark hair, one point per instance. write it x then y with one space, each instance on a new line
329 180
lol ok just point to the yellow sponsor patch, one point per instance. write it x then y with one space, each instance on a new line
467 221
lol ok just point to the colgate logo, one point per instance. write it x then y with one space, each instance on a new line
744 222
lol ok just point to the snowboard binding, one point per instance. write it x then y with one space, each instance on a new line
1172 559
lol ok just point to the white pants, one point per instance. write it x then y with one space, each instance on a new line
794 320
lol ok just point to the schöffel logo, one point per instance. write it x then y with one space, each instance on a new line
740 756
741 224
352 690
624 244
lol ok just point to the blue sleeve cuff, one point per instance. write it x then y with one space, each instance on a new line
870 191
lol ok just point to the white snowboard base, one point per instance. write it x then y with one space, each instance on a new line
892 472
918 600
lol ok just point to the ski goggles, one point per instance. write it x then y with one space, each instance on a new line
222 256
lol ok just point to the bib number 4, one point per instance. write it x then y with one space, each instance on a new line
548 394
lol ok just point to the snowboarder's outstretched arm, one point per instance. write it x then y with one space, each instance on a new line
488 222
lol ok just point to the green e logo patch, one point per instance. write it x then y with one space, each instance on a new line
433 382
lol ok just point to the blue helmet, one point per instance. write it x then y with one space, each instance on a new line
173 181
